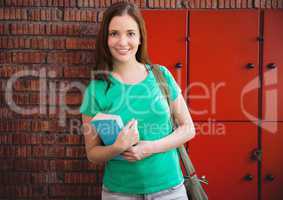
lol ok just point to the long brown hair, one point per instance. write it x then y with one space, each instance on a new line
103 57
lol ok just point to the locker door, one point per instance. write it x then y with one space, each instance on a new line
222 152
273 66
272 162
223 65
167 41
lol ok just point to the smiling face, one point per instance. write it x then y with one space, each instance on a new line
123 39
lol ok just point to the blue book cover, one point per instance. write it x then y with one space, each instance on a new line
108 128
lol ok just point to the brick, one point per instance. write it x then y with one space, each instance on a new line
243 3
45 43
74 165
45 14
29 57
25 191
26 102
7 151
44 3
77 72
12 178
23 151
15 125
214 4
75 152
268 3
232 4
6 57
26 138
263 3
56 114
44 178
18 98
14 43
48 151
6 113
150 3
156 4
6 138
31 165
197 3
73 99
71 29
9 70
20 139
13 14
4 29
69 139
257 3
220 3
274 4
70 58
40 125
75 43
209 3
78 177
58 190
27 29
80 15
27 85
238 3
6 165
162 4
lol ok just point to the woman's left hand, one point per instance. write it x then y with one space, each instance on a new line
138 152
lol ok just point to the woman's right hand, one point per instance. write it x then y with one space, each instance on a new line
128 136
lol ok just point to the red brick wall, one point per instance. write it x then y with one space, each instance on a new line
47 47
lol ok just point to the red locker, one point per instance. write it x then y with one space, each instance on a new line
272 66
222 152
167 41
223 84
272 161
223 65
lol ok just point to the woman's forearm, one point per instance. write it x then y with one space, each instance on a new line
100 154
180 136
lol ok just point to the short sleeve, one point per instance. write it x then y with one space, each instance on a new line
174 88
89 104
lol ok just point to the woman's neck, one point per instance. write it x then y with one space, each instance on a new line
127 68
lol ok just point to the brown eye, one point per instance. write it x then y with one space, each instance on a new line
112 34
131 34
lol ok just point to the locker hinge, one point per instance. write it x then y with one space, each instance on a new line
256 154
260 38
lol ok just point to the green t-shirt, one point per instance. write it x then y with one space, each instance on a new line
144 102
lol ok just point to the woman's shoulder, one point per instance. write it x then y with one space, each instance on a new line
163 69
95 85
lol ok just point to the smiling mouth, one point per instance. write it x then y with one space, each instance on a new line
122 51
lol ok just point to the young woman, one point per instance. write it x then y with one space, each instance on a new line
125 85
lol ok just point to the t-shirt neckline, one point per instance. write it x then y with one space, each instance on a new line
133 84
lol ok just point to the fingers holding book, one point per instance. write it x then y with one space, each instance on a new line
128 136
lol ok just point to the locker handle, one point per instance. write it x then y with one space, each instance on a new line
248 177
271 66
250 66
178 65
269 177
256 154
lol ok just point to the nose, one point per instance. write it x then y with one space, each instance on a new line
123 40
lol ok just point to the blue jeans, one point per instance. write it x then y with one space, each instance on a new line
174 193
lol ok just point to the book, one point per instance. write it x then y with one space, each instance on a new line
108 128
